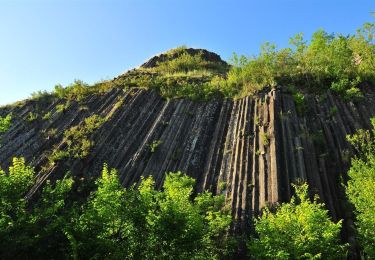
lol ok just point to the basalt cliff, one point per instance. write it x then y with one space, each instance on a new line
251 149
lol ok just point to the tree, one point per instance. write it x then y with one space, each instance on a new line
105 226
149 224
180 228
361 186
36 232
297 230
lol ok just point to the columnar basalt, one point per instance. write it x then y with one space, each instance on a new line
251 149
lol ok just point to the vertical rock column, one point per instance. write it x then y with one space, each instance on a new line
249 171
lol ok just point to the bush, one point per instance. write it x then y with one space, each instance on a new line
78 139
5 123
297 230
32 117
329 61
186 62
154 145
61 108
78 90
361 186
299 100
143 223
42 96
31 232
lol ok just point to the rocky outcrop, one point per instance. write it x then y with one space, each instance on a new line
251 149
206 55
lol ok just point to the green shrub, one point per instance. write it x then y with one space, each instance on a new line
31 116
186 62
299 101
62 107
154 145
193 91
360 188
5 123
78 90
58 155
363 141
143 223
353 93
360 191
265 138
78 139
50 133
47 116
41 95
222 186
300 229
31 232
328 61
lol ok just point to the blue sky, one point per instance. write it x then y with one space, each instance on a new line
43 42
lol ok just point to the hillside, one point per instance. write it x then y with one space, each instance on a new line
250 148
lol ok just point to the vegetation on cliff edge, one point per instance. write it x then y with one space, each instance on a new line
342 64
361 186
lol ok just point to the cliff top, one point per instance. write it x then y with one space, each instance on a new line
176 53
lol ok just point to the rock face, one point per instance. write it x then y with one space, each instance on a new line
206 55
250 149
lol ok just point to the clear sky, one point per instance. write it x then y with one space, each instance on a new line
45 42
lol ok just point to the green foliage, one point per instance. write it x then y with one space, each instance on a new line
180 88
363 141
299 100
143 223
194 85
179 75
329 61
13 186
361 186
49 133
58 155
265 138
47 116
41 96
62 107
31 117
300 229
222 186
360 191
186 62
25 232
60 91
5 123
78 90
77 138
154 145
